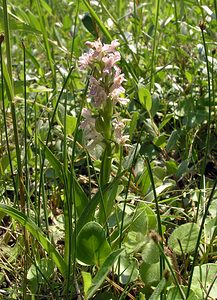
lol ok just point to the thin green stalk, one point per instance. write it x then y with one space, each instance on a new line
162 263
67 210
46 42
154 42
136 27
5 121
213 84
176 16
36 157
25 130
45 207
200 235
215 5
207 143
118 6
13 111
75 28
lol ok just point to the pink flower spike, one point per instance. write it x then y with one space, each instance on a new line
85 60
115 95
111 47
97 45
86 113
123 101
110 61
97 92
118 133
117 83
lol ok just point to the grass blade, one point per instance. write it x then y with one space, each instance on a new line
37 233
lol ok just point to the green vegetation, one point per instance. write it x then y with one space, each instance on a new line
108 163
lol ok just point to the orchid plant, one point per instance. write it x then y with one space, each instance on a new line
102 123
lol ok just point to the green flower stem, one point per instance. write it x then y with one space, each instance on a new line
13 111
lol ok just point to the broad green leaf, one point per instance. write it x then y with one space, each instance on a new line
171 167
8 83
98 21
172 141
144 97
160 189
128 269
39 89
16 23
158 290
150 252
90 208
144 219
38 234
108 198
87 280
42 271
71 121
39 273
205 280
184 238
174 294
90 25
133 242
92 245
166 119
150 273
103 271
133 123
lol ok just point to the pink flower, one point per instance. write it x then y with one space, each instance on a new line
88 125
115 95
117 82
89 121
118 132
85 60
111 47
97 92
110 61
97 45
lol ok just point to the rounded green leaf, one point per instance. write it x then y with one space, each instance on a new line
184 238
174 294
144 97
128 269
150 253
204 281
144 219
92 246
150 273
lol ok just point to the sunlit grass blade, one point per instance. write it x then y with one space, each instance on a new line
38 235
98 21
46 42
102 273
81 198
